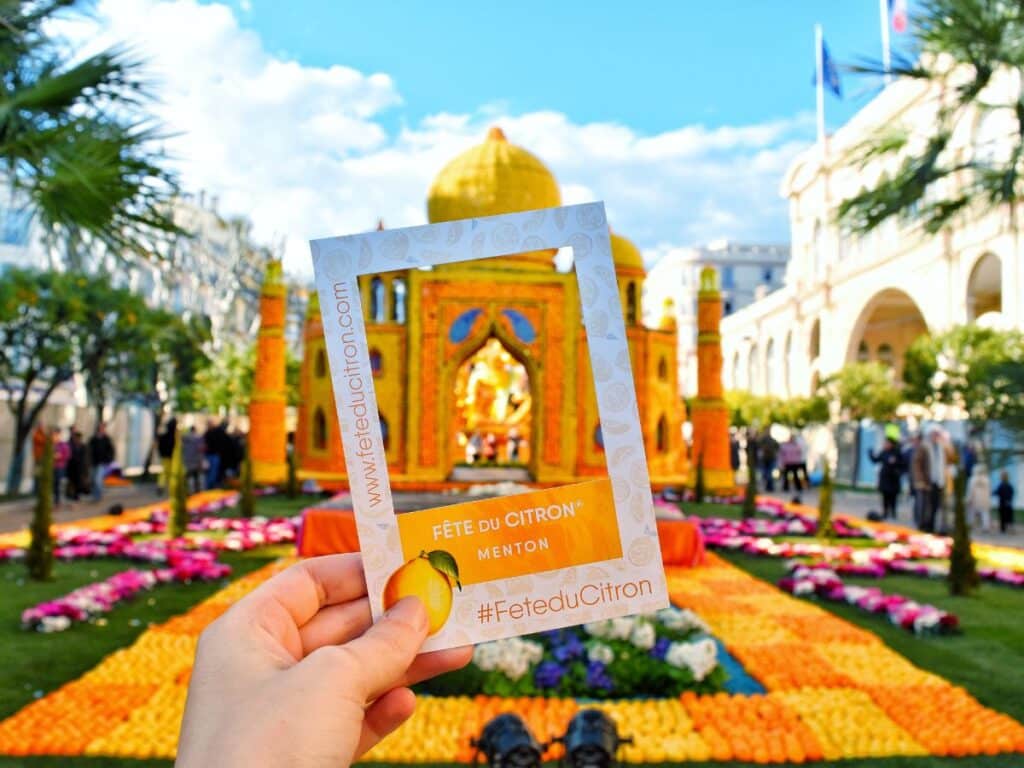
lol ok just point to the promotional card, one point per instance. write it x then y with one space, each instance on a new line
558 555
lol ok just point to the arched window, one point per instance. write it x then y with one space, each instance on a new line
787 363
398 300
863 355
662 369
385 432
598 438
631 307
769 367
376 362
819 250
885 355
736 370
319 429
814 349
753 370
320 364
661 435
377 300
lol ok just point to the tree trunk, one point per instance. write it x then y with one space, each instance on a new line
178 492
963 568
39 557
16 467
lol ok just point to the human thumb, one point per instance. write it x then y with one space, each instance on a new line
383 654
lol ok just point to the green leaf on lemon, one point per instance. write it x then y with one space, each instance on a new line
445 563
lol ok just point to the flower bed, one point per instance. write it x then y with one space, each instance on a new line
668 652
833 691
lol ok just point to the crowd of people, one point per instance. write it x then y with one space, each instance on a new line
80 467
209 458
925 465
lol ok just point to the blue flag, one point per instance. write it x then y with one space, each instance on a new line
831 72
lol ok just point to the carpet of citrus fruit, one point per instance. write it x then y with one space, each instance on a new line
833 691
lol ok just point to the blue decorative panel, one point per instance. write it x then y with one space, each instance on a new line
463 325
520 325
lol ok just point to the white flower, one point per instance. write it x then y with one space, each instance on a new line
512 656
598 628
803 587
622 628
700 657
643 636
681 619
600 652
54 623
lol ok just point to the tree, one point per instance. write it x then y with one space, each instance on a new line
978 371
963 568
39 557
177 490
117 344
865 391
43 315
798 412
225 384
76 144
965 50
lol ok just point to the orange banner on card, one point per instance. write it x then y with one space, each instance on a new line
516 535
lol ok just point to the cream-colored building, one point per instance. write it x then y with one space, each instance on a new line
850 298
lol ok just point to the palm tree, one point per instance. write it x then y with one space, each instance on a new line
971 52
76 146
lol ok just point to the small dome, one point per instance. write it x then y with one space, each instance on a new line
491 178
625 254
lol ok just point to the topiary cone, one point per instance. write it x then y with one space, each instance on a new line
963 567
825 528
178 492
247 503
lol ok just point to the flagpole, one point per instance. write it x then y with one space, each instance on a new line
883 10
819 63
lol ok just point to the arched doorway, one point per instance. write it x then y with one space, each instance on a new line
492 421
889 323
985 288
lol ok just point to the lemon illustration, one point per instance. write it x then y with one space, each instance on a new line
428 577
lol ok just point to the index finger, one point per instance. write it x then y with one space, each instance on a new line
309 585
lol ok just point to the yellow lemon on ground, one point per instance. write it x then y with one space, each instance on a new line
421 579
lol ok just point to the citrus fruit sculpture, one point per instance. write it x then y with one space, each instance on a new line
430 577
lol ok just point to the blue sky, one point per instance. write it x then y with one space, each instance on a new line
652 65
315 118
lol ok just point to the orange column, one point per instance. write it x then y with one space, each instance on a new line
709 413
267 437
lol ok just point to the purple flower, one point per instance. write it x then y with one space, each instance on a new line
548 674
660 648
570 648
597 676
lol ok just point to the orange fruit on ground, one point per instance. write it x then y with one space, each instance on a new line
420 579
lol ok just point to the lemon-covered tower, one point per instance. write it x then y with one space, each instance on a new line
709 413
267 438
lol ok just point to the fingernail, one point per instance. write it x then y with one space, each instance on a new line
409 610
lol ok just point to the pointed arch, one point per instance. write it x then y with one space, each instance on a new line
319 429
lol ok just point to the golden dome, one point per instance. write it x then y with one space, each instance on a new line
491 178
625 254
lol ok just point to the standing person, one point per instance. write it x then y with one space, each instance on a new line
61 455
165 449
889 473
979 497
192 458
213 443
769 453
1004 492
101 451
920 483
734 451
234 453
78 467
937 479
791 456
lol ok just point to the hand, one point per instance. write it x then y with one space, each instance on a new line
294 674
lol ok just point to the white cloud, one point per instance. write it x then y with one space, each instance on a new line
302 152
